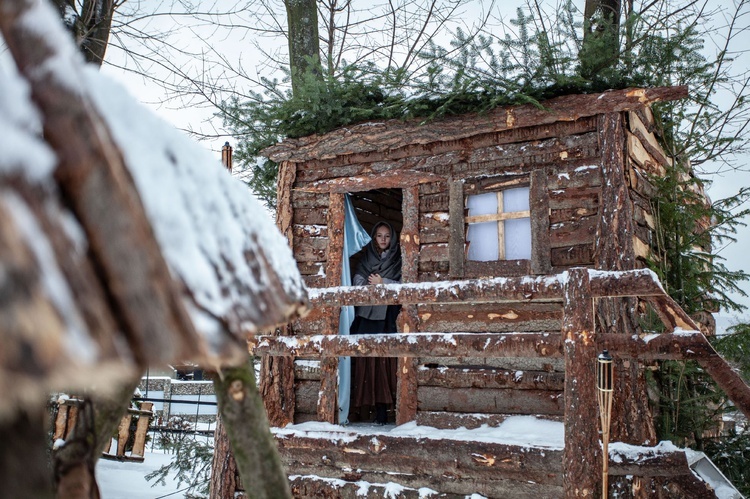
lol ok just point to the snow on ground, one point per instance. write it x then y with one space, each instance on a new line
126 480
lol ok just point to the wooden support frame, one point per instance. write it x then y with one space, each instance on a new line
541 253
327 400
457 240
406 389
582 456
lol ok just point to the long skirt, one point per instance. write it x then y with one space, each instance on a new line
374 378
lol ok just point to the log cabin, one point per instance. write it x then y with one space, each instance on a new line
523 232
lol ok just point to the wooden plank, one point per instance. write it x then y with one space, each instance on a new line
358 183
382 484
284 208
582 456
422 151
310 216
648 140
574 198
501 317
139 444
61 422
568 256
435 202
505 268
574 233
311 249
457 241
541 258
575 175
451 377
411 345
310 231
440 252
306 397
490 400
123 433
571 214
421 456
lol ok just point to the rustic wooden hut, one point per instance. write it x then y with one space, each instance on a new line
493 209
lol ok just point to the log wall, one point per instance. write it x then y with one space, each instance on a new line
565 162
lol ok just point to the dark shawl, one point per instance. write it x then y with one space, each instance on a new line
388 266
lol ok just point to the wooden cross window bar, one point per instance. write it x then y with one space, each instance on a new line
500 217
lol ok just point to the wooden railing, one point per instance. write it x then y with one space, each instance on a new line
579 344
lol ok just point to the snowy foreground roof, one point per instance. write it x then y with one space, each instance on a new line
122 242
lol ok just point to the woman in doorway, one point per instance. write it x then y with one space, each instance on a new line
374 378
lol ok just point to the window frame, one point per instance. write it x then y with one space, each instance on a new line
540 261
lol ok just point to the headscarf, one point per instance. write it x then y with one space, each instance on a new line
388 266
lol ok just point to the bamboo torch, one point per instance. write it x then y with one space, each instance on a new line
604 392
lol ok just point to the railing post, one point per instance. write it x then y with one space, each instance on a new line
406 396
327 400
582 456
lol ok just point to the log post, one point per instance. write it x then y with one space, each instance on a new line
541 260
457 241
582 456
277 373
327 400
406 390
631 417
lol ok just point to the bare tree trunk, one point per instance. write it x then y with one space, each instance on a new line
304 44
223 466
244 417
24 464
601 40
90 27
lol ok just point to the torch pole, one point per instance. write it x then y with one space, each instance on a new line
604 388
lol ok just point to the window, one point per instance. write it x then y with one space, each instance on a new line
499 225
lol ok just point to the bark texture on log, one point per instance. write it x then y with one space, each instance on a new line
224 474
582 457
394 134
413 345
541 262
244 418
632 421
408 321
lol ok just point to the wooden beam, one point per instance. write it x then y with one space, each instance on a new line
582 456
491 400
396 134
499 289
691 345
327 400
386 180
413 345
642 282
541 254
614 234
457 239
406 388
431 456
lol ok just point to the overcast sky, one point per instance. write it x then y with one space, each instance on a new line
236 46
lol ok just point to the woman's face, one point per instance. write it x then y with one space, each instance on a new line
383 237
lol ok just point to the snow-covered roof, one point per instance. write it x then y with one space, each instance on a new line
63 321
